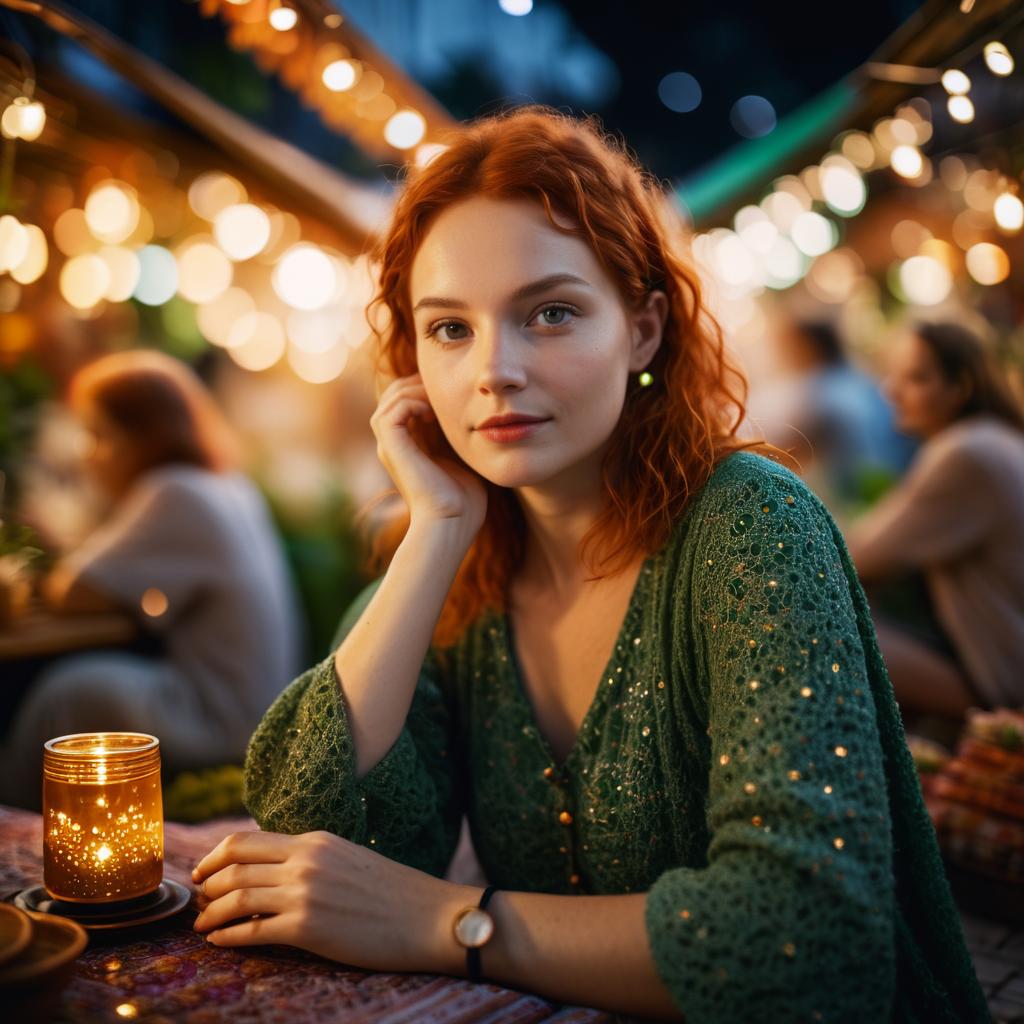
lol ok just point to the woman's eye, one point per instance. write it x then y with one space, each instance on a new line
556 316
442 328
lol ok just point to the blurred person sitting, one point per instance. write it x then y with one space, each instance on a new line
844 428
953 526
188 548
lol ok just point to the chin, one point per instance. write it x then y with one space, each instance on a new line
511 472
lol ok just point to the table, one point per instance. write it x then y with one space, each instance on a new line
40 632
168 973
31 642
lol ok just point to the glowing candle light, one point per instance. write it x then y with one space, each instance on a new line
103 838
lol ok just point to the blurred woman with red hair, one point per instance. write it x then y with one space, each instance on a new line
190 550
634 654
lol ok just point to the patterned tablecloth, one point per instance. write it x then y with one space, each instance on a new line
168 973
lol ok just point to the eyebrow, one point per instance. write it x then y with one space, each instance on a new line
523 292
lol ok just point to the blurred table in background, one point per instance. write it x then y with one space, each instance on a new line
31 640
168 972
42 633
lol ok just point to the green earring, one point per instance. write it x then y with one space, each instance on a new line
645 379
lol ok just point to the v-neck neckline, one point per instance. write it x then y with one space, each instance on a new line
508 648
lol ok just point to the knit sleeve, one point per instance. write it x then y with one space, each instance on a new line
791 919
300 767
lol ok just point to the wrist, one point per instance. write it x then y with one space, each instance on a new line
445 537
446 955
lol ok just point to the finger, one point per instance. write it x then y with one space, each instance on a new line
240 876
399 384
241 903
256 932
386 409
244 848
403 412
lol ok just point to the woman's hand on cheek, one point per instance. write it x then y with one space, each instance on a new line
329 896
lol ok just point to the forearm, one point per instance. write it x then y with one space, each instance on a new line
379 661
586 950
64 591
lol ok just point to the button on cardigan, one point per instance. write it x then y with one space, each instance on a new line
742 764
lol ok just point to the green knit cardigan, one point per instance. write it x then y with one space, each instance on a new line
743 764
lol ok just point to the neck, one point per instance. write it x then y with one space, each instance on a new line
558 515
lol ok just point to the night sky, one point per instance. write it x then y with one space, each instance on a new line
784 52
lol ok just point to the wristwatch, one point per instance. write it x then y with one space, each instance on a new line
473 928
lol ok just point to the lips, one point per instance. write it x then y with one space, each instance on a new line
509 419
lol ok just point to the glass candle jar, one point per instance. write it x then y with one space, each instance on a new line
103 822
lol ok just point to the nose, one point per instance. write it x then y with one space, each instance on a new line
500 355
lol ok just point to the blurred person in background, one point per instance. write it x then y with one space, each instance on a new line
189 549
951 530
844 434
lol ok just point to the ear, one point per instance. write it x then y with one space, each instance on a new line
648 326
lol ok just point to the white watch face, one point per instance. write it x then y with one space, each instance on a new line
474 927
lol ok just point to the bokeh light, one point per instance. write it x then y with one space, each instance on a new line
204 272
124 269
339 75
1008 211
112 211
305 277
283 19
217 318
680 91
405 129
158 275
813 234
517 8
14 242
842 186
256 341
961 109
212 192
906 161
998 59
84 280
33 263
988 264
925 280
752 117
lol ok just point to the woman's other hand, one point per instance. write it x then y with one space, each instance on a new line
329 896
432 488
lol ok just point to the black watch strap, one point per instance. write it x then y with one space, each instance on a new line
473 952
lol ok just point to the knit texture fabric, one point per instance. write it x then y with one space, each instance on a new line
743 764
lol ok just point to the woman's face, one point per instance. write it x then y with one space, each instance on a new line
110 454
924 399
513 316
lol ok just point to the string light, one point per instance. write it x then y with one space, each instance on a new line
1008 211
23 119
998 59
961 109
906 161
339 75
955 82
283 19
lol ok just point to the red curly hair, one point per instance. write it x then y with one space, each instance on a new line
671 434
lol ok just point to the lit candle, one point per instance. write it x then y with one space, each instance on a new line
103 837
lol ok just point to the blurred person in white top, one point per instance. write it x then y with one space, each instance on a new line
190 550
954 523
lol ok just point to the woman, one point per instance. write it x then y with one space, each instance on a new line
955 522
189 549
679 771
